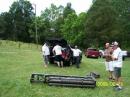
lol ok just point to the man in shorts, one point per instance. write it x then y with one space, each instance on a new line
109 63
46 53
117 61
57 50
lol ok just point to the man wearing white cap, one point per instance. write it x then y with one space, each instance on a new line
117 61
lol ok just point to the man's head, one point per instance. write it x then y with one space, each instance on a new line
46 43
115 45
76 47
107 45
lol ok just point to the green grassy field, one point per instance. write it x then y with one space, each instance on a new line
17 65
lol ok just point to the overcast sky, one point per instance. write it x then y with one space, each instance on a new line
78 5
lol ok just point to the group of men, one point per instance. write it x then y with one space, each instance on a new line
113 55
57 52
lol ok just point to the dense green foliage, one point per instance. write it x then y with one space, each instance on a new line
17 65
108 21
105 21
17 21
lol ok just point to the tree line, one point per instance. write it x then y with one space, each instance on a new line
105 21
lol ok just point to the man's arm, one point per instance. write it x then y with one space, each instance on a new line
105 53
80 51
43 50
114 56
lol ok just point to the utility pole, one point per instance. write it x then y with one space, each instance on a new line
36 36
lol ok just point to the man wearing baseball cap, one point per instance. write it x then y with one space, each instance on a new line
117 62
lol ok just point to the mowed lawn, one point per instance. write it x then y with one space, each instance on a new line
17 65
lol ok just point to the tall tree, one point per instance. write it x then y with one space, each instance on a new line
101 24
68 28
53 17
80 29
122 8
108 21
21 13
3 22
43 27
52 13
73 29
68 10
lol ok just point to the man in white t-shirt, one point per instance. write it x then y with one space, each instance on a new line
117 61
57 50
76 56
46 53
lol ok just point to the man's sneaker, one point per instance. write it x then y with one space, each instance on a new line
118 88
